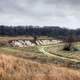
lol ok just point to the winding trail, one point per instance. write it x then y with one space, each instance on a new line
42 49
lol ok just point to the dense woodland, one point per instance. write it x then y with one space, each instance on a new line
52 31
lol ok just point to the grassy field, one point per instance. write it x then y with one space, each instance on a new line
48 62
13 68
7 38
59 57
57 50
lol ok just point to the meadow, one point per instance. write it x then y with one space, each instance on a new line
40 62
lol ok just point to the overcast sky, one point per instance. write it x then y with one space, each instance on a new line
64 13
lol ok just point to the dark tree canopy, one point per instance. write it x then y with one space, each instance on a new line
51 31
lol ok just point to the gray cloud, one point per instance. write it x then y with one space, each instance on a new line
40 12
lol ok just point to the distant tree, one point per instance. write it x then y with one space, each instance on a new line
69 42
35 38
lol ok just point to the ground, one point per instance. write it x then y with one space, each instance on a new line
14 68
49 62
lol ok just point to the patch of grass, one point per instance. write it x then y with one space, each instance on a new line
13 68
28 52
17 49
29 49
57 50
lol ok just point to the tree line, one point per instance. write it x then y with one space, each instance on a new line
51 31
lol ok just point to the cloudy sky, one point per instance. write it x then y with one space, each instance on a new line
64 13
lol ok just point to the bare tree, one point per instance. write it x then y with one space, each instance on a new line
69 42
34 39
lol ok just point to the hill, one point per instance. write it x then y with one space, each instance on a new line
13 68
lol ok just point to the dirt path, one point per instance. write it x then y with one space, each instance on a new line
42 49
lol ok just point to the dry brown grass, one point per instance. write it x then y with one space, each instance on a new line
7 38
12 68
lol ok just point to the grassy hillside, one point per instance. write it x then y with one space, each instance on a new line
38 62
45 54
58 50
12 68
